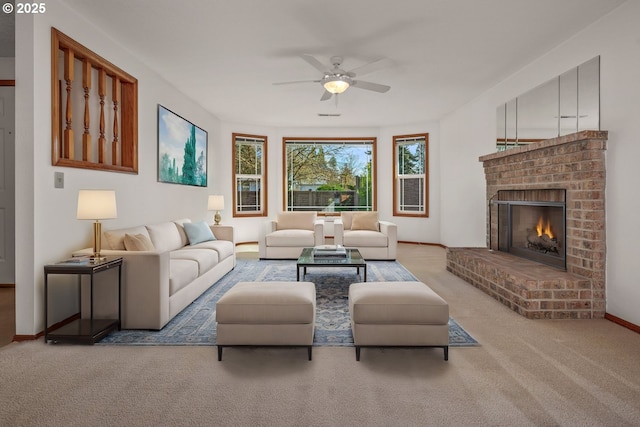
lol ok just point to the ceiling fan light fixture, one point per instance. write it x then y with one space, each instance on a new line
336 84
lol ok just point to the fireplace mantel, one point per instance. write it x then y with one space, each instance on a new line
575 163
591 135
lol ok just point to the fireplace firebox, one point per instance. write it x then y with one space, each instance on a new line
531 224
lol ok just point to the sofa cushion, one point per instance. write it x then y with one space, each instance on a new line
180 224
346 218
181 273
365 221
114 239
365 238
290 238
224 248
198 232
137 242
206 258
296 220
165 236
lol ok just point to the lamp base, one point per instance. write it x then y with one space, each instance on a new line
217 218
97 243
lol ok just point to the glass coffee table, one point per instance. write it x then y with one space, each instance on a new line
353 259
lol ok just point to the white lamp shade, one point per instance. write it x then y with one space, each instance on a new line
216 203
97 204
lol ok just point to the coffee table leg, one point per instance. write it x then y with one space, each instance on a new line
365 272
298 273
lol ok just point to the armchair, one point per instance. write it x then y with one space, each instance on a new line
289 233
374 239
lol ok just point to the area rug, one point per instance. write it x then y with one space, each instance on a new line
196 324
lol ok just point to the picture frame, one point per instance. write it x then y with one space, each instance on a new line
182 150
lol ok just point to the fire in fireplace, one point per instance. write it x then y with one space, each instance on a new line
531 224
542 238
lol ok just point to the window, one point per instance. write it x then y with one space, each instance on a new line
329 174
411 183
249 175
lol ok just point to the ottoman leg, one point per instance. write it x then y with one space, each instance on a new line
309 351
219 353
357 353
446 352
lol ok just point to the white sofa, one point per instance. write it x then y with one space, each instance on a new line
375 239
158 284
289 233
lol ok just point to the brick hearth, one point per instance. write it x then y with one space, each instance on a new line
575 163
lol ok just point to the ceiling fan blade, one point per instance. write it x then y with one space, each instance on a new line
370 67
298 81
370 86
326 95
315 63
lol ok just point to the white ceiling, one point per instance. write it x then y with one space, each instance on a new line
439 54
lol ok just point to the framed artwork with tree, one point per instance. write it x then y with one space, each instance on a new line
182 150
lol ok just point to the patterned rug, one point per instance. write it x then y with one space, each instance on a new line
196 324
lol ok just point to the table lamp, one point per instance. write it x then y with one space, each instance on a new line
216 203
97 205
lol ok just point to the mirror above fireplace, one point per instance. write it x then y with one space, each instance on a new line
566 104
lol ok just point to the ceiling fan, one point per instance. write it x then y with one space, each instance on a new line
335 80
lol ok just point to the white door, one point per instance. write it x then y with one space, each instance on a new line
7 185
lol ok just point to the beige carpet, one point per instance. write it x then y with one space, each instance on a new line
526 372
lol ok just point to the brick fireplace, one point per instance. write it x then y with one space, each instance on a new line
571 165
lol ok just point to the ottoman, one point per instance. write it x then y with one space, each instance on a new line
266 314
398 314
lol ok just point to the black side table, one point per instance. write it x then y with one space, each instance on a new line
83 331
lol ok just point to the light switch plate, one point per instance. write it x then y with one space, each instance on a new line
58 179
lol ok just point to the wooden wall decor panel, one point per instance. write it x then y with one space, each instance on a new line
109 110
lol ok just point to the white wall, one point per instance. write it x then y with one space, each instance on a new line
470 132
465 135
409 229
46 228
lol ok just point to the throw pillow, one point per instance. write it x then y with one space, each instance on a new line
365 221
347 218
183 236
296 220
198 232
114 239
137 242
